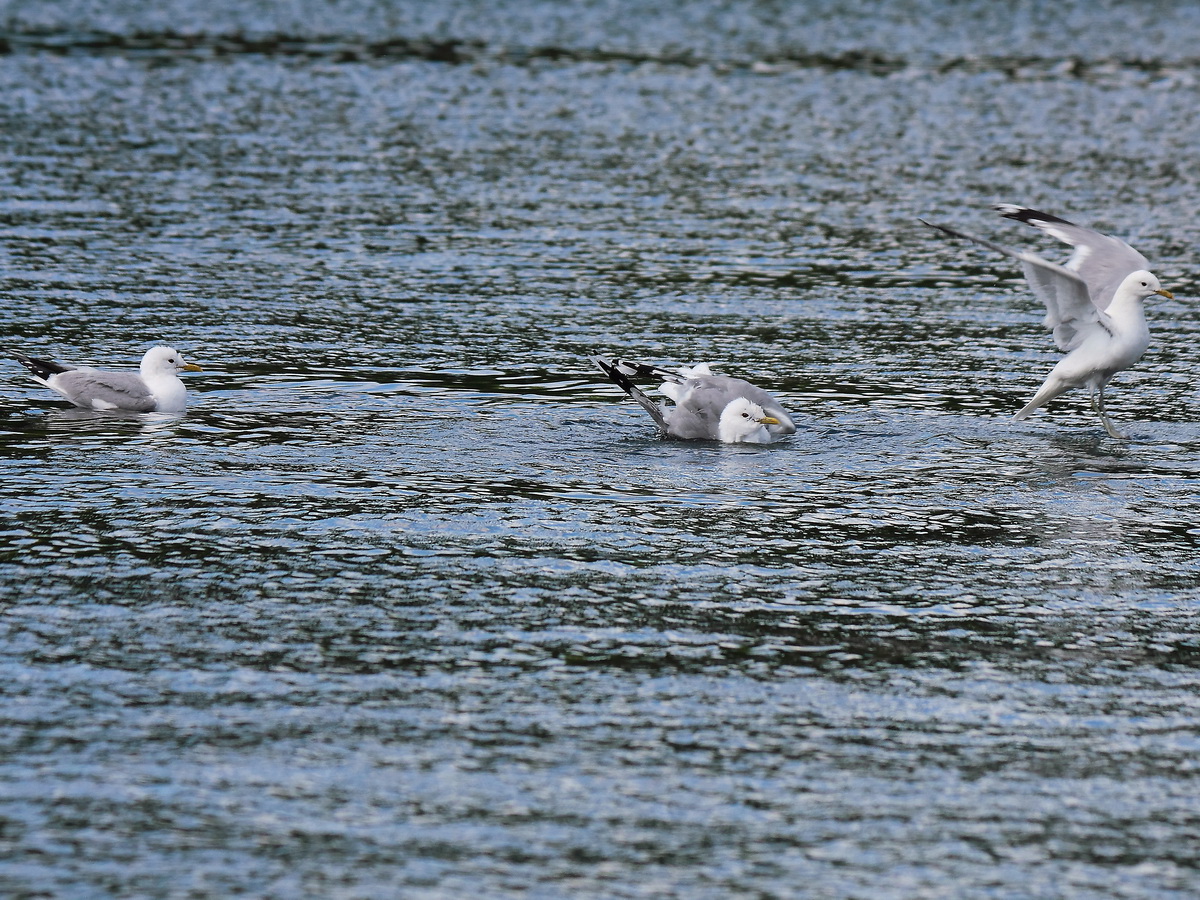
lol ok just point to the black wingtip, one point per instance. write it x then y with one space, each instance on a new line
604 364
643 370
615 375
41 368
1027 215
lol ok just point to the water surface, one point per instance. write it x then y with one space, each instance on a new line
410 603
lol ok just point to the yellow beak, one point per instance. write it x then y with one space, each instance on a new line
768 420
192 367
1165 293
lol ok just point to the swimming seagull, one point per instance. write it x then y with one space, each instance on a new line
707 407
1093 304
155 387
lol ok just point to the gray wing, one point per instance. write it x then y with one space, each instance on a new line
694 418
93 389
1100 260
1070 313
701 400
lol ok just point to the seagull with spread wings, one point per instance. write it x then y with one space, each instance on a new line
1093 304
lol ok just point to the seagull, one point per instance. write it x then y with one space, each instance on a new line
707 407
1093 305
155 387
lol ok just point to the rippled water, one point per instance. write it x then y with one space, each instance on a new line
411 603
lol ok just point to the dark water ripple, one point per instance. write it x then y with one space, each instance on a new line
172 46
409 601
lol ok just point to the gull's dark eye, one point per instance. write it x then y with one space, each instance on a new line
1144 284
745 415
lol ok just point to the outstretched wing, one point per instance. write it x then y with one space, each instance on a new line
1100 260
1070 313
616 372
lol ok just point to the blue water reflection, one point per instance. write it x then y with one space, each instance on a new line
409 601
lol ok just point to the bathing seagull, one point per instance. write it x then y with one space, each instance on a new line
155 387
707 407
1093 304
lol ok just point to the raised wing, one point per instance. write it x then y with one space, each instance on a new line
93 389
1070 313
616 374
1101 260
